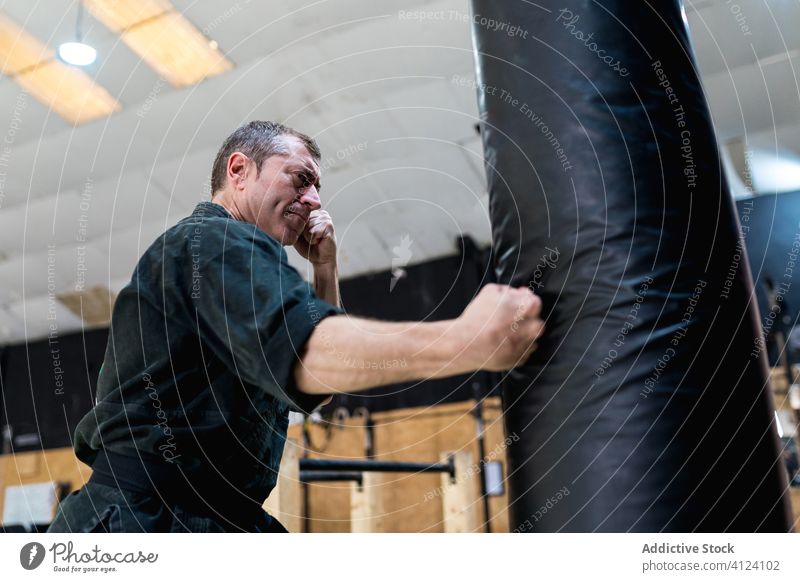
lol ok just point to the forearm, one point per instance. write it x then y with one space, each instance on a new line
326 283
497 331
347 354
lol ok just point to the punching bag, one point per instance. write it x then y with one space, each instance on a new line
647 406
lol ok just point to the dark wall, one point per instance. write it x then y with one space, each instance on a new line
47 387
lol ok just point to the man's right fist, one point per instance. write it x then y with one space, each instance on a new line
500 327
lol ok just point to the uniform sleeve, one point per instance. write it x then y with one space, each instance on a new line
253 309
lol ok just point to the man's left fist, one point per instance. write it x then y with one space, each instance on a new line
317 244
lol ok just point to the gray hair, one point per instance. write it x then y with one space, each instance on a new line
258 140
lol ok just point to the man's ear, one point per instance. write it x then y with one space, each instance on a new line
238 167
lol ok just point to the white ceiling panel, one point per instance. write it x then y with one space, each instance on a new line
753 99
65 161
22 118
362 243
473 151
728 35
11 328
345 192
123 250
432 111
119 204
185 180
49 220
57 269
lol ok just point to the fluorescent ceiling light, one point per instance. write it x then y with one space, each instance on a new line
19 50
77 53
119 15
68 91
163 38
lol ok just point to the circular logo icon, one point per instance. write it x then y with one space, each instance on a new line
31 555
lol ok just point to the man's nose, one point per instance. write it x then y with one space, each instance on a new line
310 197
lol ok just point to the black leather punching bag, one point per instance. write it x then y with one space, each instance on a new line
647 405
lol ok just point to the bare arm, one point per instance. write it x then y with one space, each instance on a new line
497 331
326 283
318 246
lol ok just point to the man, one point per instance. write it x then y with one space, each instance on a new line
216 338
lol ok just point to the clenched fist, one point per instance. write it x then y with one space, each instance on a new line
317 244
501 326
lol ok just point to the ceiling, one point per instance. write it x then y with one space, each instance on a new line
78 205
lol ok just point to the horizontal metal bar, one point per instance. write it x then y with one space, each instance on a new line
313 476
377 466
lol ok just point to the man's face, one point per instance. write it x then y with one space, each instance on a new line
280 197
